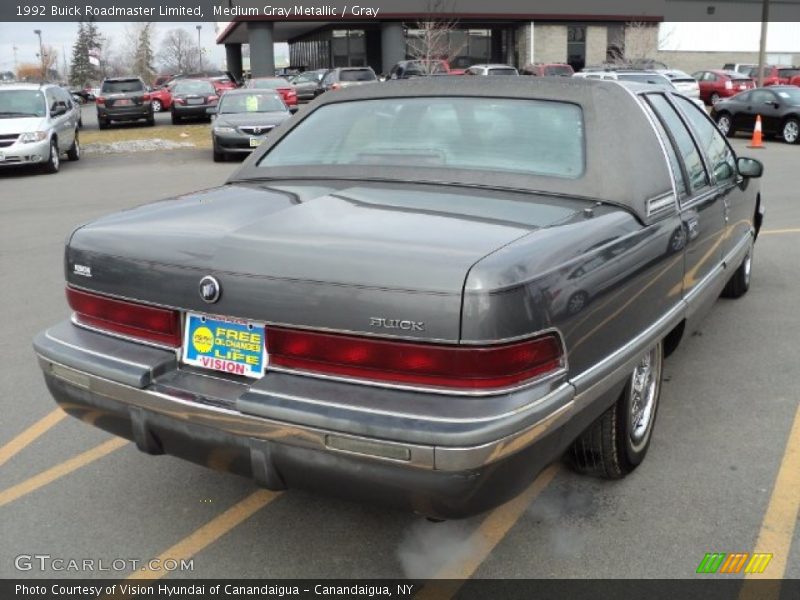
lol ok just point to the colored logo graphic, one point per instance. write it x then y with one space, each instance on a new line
721 562
202 339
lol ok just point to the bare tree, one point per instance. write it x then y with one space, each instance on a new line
431 40
640 45
178 52
49 61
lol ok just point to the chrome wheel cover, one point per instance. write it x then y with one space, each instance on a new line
55 159
724 125
790 132
645 383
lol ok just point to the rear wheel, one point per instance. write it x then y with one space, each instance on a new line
157 107
791 131
725 124
617 442
151 120
74 152
102 123
219 156
175 119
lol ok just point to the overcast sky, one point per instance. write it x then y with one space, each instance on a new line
62 36
782 38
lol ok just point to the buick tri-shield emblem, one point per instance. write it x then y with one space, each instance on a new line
209 289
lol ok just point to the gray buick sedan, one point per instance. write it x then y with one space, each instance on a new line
417 294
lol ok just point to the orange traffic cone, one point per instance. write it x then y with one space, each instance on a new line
756 141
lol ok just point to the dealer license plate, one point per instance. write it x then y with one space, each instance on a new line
194 101
233 346
123 102
255 142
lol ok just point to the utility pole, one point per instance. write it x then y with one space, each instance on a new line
41 51
200 47
762 47
15 48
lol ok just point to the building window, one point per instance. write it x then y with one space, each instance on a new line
576 46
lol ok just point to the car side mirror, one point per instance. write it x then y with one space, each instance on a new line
749 167
58 109
211 110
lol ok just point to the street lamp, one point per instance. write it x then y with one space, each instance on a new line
200 47
41 49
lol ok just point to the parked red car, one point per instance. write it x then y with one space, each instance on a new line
279 84
161 98
548 70
716 84
775 74
223 83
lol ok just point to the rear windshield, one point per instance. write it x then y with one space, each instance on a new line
255 102
562 70
193 87
788 72
269 84
522 136
22 103
503 71
357 75
123 87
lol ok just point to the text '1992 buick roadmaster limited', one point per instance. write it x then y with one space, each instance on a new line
418 293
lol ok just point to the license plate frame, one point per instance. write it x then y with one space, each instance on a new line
226 345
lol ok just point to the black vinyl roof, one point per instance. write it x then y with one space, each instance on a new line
625 163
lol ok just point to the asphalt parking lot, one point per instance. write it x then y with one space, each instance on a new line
722 473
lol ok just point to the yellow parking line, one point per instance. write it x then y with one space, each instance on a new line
485 538
777 528
65 468
775 231
30 434
210 532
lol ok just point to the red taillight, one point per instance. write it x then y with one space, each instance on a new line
728 84
141 321
180 101
100 100
213 99
411 363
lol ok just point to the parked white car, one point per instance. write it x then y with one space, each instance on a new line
491 70
683 82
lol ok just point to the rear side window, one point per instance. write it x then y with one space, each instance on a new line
720 156
503 72
685 146
123 87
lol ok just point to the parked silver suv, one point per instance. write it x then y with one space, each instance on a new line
38 123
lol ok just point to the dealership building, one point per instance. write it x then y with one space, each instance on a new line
472 32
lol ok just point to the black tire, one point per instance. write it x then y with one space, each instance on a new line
53 163
74 152
102 123
613 446
151 121
739 282
791 130
219 156
175 119
725 124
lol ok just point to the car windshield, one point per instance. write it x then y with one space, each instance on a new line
503 71
558 70
122 87
22 103
523 136
357 75
269 84
193 87
651 78
790 95
255 102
